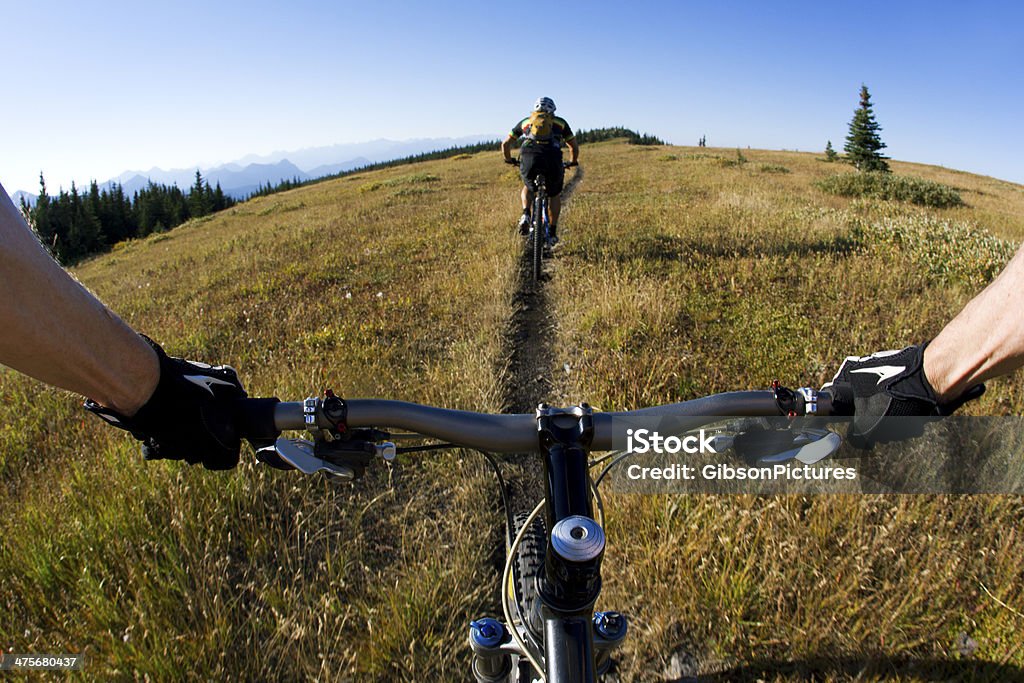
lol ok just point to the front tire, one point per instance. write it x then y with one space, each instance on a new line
526 569
538 238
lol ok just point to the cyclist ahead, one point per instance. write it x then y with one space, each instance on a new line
544 134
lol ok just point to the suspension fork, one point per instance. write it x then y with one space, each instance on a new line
571 581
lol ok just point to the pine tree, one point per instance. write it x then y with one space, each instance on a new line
199 198
863 144
41 216
84 234
830 154
220 201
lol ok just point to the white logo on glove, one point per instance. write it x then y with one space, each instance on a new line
206 382
884 372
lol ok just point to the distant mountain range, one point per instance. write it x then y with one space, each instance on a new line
241 178
29 198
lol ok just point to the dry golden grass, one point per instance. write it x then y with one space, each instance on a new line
164 571
702 276
683 274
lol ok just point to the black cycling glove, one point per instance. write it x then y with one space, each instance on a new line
888 384
189 416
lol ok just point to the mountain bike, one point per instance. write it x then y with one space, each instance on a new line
552 575
541 241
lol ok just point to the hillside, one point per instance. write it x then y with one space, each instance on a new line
683 273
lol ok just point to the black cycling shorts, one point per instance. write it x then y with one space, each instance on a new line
548 162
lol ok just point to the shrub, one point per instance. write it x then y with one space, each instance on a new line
947 250
738 161
887 186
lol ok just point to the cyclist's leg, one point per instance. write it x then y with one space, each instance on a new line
527 196
554 209
530 164
528 169
556 173
524 218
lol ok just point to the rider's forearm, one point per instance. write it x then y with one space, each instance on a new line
506 147
985 340
574 149
57 332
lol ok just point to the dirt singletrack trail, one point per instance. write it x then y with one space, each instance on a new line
529 376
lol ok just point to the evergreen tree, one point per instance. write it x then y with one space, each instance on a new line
863 144
41 216
200 197
116 215
830 154
220 201
84 235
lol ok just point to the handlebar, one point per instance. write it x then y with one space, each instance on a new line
565 164
263 419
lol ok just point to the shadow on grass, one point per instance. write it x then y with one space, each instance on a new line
868 667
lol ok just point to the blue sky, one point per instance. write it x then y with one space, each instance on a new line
95 89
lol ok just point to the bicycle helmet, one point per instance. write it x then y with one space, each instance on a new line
544 104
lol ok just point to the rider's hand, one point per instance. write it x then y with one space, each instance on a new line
189 416
888 384
512 161
571 164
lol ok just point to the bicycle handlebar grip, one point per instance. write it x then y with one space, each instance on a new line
254 419
826 406
836 400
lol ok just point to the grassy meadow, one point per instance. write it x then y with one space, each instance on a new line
683 272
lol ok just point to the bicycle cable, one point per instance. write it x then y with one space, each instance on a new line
503 488
511 545
509 532
506 506
615 457
599 502
506 581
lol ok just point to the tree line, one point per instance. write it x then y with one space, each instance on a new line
632 137
74 224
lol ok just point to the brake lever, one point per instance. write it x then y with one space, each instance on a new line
767 446
341 463
807 446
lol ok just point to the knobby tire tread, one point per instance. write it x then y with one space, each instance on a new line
538 236
527 567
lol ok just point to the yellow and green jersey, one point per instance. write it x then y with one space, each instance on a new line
542 130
